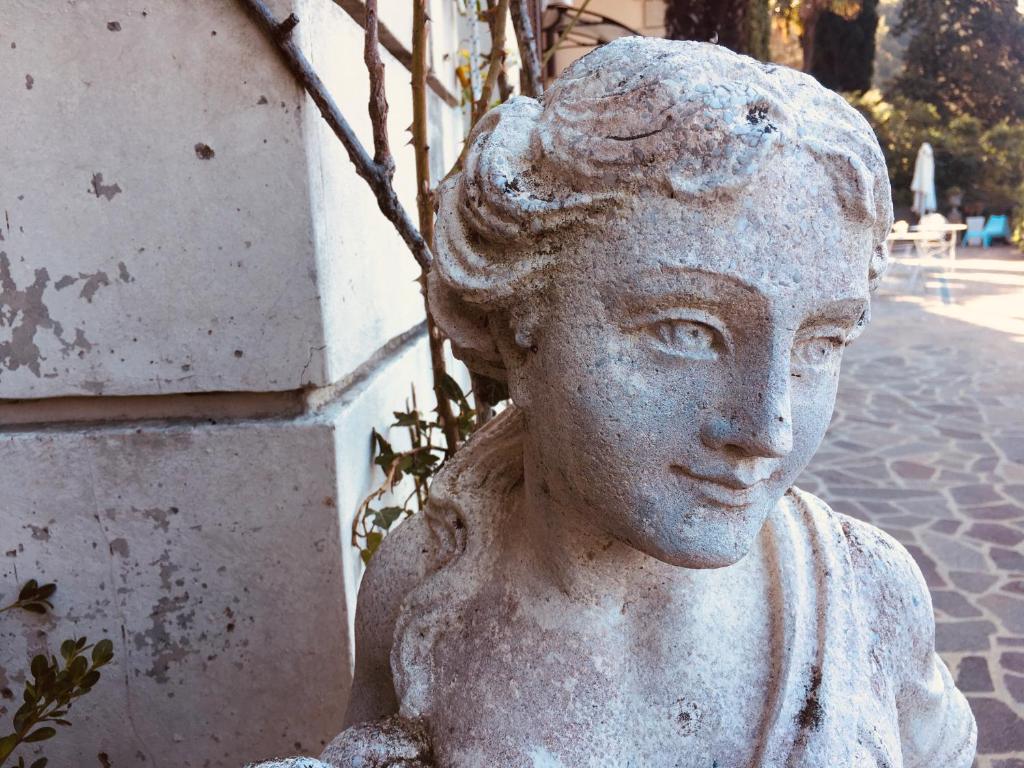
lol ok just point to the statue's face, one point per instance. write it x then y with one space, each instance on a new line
683 370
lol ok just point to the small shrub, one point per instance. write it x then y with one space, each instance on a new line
56 682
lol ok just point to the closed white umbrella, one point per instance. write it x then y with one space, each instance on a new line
923 185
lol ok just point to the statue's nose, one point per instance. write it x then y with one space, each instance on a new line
756 420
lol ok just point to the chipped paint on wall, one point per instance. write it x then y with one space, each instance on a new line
23 314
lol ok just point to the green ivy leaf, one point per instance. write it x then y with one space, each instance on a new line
406 419
40 666
385 518
373 540
451 389
41 734
102 653
7 745
29 590
68 649
46 591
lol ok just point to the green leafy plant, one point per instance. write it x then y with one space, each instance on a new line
985 163
56 682
33 597
419 463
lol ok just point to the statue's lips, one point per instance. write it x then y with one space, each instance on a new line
725 489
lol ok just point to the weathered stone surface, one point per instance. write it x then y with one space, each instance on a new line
973 675
189 566
972 581
609 569
176 215
1015 685
953 604
980 370
191 546
954 636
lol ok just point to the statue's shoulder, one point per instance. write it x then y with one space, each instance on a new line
433 559
466 500
890 588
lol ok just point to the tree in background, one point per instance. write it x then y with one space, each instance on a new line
843 51
837 38
743 26
964 56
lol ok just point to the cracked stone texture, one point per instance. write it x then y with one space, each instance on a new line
926 443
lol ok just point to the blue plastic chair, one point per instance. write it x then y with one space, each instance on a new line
975 230
996 226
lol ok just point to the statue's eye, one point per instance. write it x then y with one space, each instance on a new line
817 352
686 338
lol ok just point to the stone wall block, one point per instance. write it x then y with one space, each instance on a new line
368 277
154 203
217 559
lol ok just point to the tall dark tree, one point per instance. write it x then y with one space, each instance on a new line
843 54
964 56
740 25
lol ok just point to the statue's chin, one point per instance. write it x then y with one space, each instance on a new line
713 543
703 559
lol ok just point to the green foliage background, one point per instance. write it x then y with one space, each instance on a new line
962 90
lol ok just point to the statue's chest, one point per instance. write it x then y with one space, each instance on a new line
549 689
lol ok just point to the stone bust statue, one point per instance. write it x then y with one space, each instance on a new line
664 259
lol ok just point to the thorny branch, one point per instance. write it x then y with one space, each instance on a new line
504 86
425 204
497 23
378 106
421 461
532 83
377 176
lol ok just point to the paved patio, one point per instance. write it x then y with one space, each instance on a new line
928 443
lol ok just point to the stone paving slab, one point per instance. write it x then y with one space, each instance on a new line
927 442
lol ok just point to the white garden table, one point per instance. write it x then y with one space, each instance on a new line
931 241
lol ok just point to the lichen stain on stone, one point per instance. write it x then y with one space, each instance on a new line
122 273
92 283
39 533
104 190
810 716
161 517
165 649
119 546
24 312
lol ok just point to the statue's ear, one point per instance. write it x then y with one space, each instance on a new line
516 336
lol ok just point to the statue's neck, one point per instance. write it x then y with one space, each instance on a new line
554 544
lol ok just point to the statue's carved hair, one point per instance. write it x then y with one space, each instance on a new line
637 116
